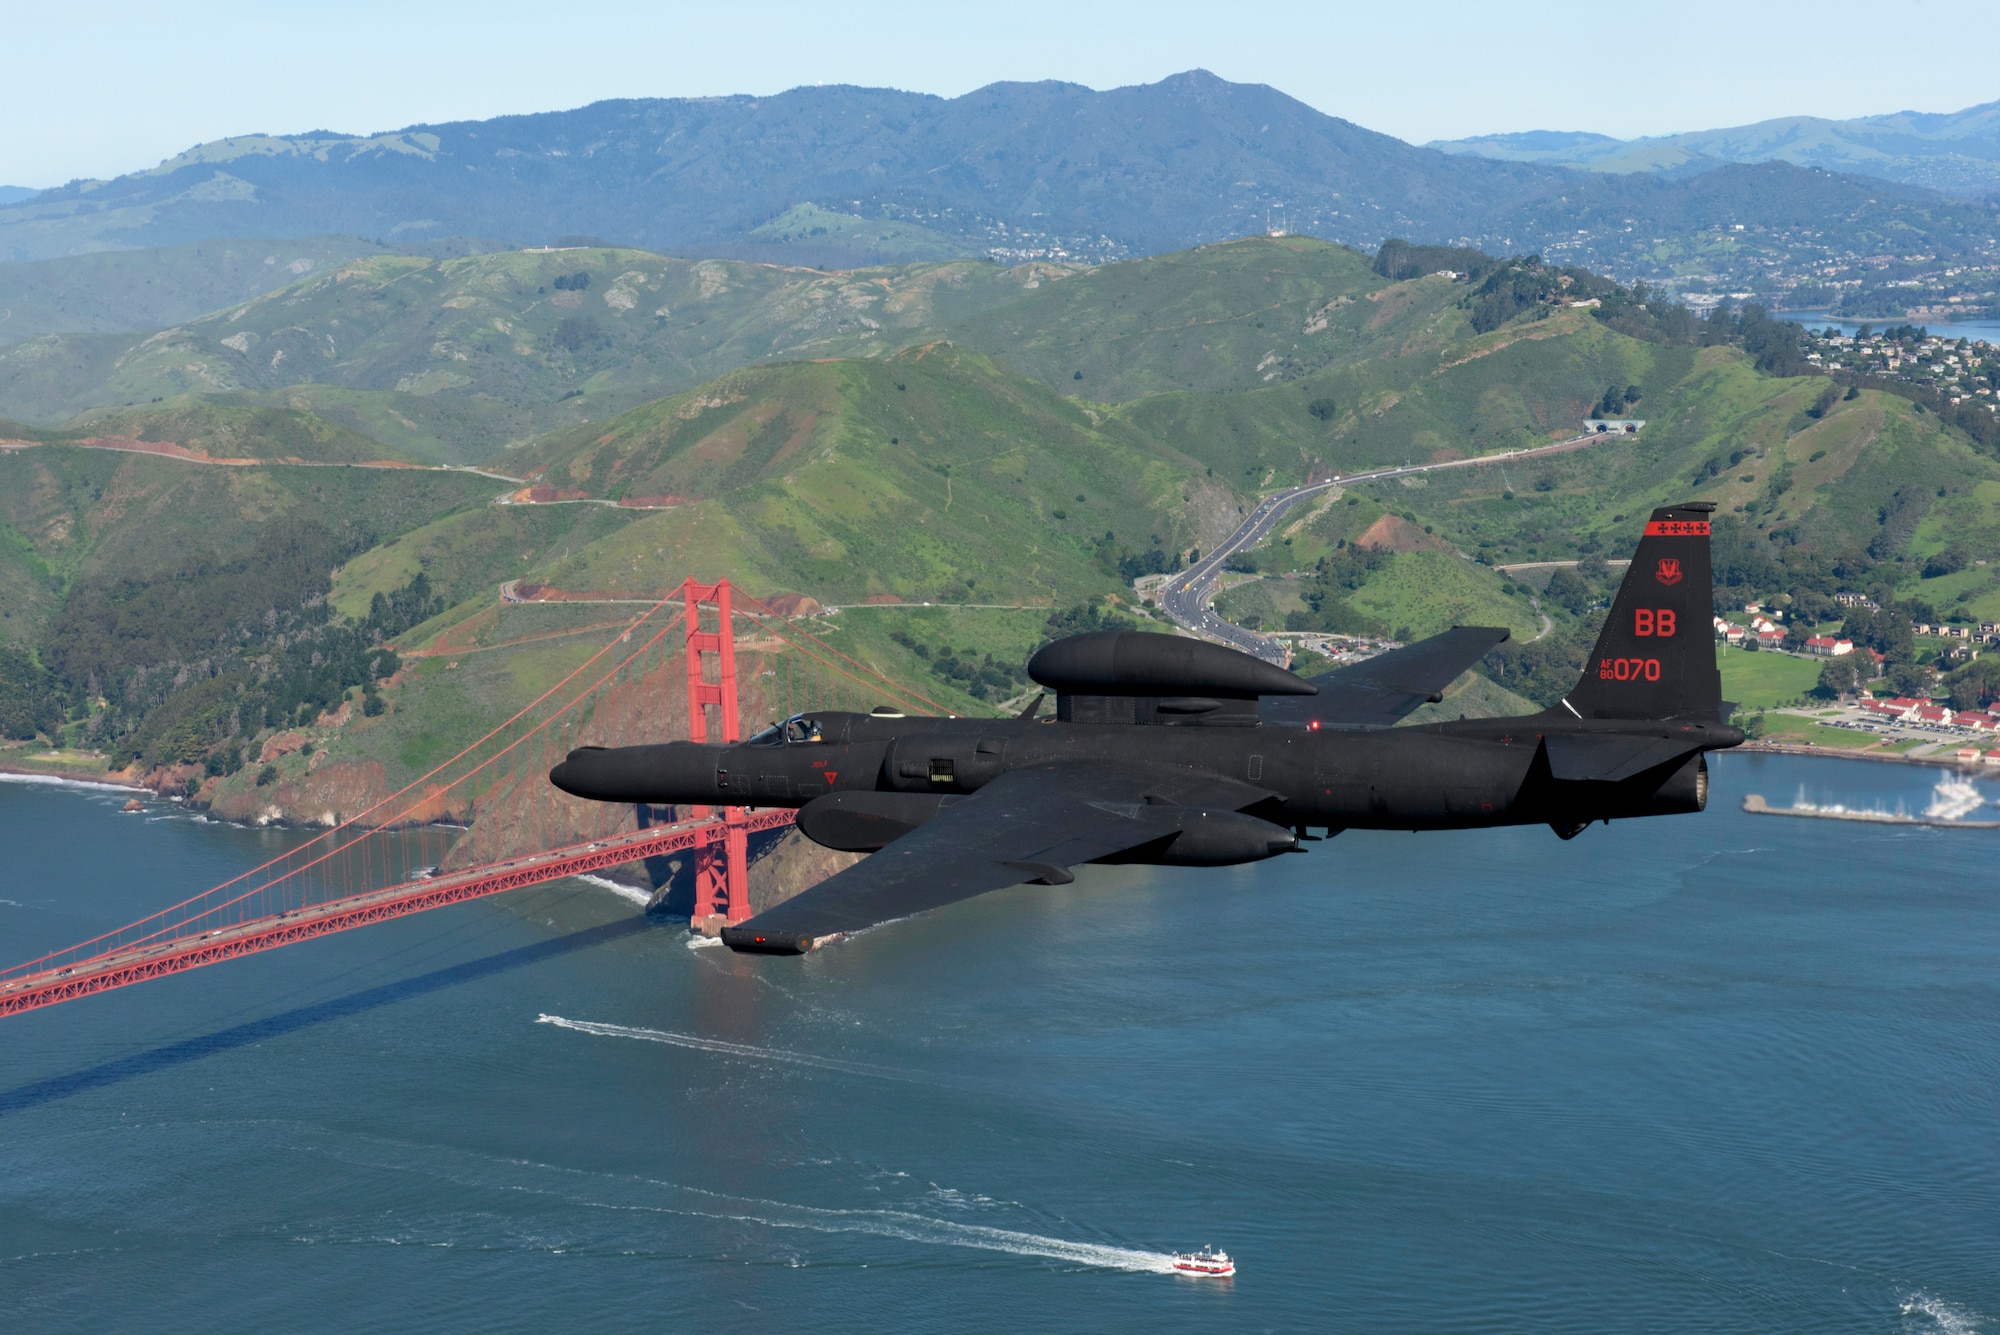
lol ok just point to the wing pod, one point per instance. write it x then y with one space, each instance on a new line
1112 676
1212 839
1121 662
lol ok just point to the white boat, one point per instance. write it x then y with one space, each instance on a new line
1205 1262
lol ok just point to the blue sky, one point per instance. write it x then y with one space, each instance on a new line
115 86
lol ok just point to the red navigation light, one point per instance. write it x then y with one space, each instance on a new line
1313 726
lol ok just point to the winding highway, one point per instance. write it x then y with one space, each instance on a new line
1188 596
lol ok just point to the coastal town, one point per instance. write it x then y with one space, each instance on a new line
1960 370
1872 718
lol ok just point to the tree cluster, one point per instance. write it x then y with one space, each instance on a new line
978 675
1325 593
1398 260
30 701
574 333
185 665
1083 618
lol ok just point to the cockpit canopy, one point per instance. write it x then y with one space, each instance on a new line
798 730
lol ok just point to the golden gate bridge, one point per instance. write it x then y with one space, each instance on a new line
410 852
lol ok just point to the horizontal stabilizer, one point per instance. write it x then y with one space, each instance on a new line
1609 757
1379 691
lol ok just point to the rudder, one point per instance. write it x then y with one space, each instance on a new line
1655 658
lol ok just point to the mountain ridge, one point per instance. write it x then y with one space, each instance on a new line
1043 166
1956 152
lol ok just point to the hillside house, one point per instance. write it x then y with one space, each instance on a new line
1829 646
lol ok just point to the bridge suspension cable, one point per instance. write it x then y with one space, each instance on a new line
485 820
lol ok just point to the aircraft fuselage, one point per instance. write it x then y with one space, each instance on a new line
1456 775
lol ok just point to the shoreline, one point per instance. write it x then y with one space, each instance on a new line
98 779
1872 756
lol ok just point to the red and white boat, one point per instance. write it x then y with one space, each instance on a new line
1204 1262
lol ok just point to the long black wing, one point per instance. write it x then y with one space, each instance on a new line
1027 825
1375 693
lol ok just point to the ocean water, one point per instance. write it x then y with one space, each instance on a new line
1718 1073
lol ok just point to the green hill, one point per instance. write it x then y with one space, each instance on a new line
453 357
844 451
115 291
807 234
932 471
76 519
224 429
1233 316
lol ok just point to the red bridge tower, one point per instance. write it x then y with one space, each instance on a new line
721 880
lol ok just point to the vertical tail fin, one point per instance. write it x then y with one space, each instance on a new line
1656 656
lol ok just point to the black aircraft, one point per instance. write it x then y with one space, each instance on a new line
1176 752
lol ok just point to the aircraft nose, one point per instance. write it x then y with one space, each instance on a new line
673 772
580 772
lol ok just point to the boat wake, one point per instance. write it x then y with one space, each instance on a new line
696 1042
1923 1312
609 1197
911 1227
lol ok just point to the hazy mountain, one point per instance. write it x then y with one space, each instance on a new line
1955 152
1018 168
11 193
1740 220
118 290
847 178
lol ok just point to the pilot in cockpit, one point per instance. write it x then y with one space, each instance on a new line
796 730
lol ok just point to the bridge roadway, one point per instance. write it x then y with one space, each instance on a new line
1187 597
135 963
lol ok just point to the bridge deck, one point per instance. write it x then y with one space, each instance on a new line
154 959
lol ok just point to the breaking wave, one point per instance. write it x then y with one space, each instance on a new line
90 785
631 892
